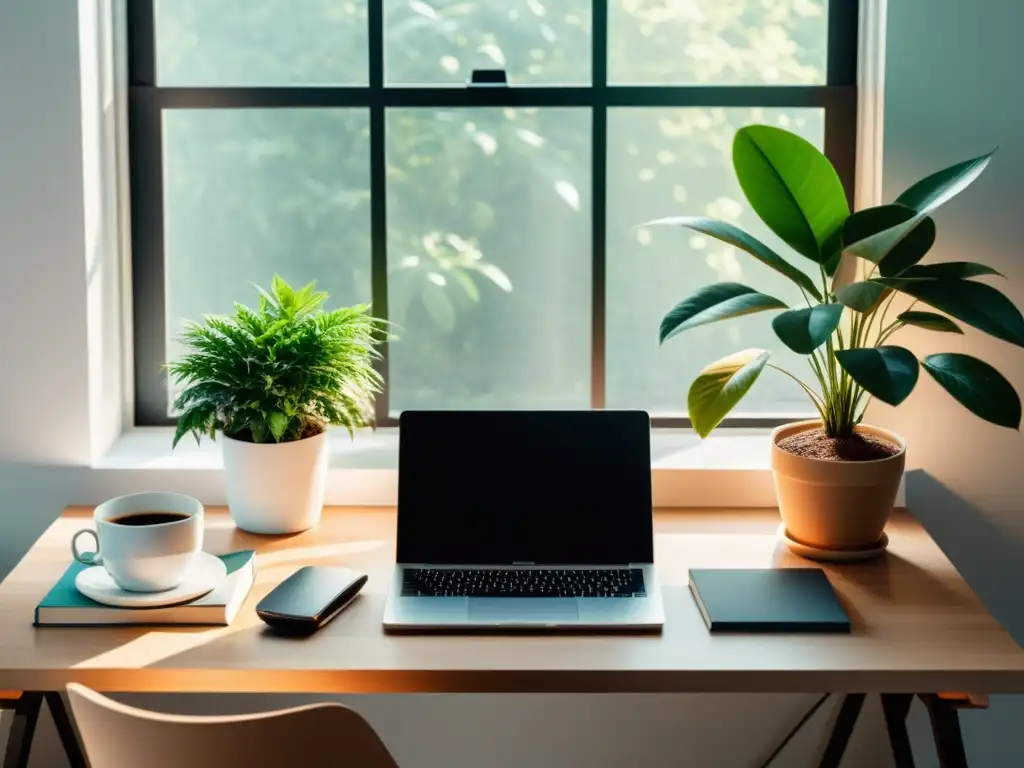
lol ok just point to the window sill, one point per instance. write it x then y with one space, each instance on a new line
729 469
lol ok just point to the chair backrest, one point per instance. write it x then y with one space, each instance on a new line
115 735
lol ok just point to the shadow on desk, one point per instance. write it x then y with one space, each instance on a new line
990 560
989 557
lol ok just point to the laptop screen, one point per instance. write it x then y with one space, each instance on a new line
524 487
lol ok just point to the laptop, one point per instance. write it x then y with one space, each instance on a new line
524 520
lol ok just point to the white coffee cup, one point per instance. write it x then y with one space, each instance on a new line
146 555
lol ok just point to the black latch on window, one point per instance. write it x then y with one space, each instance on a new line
488 77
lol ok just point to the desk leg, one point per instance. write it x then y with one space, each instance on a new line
949 741
66 730
26 715
896 706
843 729
19 742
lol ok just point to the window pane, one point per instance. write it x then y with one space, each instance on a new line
718 42
443 41
489 258
251 193
666 162
261 42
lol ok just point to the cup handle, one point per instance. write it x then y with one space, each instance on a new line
86 558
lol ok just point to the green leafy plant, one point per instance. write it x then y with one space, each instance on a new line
281 372
844 329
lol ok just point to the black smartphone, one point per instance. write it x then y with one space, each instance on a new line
309 598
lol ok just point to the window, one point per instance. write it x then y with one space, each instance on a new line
496 227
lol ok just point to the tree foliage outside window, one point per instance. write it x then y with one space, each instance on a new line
488 208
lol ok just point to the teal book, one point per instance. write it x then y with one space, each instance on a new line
767 600
65 606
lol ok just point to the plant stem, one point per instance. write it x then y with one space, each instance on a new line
864 409
815 398
830 358
855 329
885 311
893 327
889 330
816 370
828 393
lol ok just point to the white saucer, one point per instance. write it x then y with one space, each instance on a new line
206 574
833 555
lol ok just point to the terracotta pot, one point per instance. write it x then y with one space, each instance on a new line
836 504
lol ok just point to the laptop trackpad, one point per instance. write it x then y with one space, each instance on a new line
523 609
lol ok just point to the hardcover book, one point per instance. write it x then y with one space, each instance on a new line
64 605
767 600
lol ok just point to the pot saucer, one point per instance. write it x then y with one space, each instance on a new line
833 555
205 575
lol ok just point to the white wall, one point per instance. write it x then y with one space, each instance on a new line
41 217
953 91
56 245
43 353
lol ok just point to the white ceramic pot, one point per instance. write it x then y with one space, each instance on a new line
276 487
838 505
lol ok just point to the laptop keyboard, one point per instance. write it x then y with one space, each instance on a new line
532 582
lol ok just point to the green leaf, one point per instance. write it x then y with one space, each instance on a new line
721 385
278 423
282 291
976 304
259 430
793 188
192 420
179 432
907 250
272 331
949 270
888 373
439 306
843 271
833 263
977 386
804 330
308 299
711 303
923 197
737 238
869 222
494 273
863 296
930 321
467 283
932 191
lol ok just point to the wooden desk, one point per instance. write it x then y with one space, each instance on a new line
917 626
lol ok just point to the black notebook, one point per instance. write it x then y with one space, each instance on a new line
767 600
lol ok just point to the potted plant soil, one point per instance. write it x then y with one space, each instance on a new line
836 478
271 380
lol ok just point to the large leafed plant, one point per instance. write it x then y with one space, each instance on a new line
844 328
279 373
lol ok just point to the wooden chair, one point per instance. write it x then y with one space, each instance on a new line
118 736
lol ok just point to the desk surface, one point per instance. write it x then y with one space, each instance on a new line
917 626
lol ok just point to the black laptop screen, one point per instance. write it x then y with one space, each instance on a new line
499 488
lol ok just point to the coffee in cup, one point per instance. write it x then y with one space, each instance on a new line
146 541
